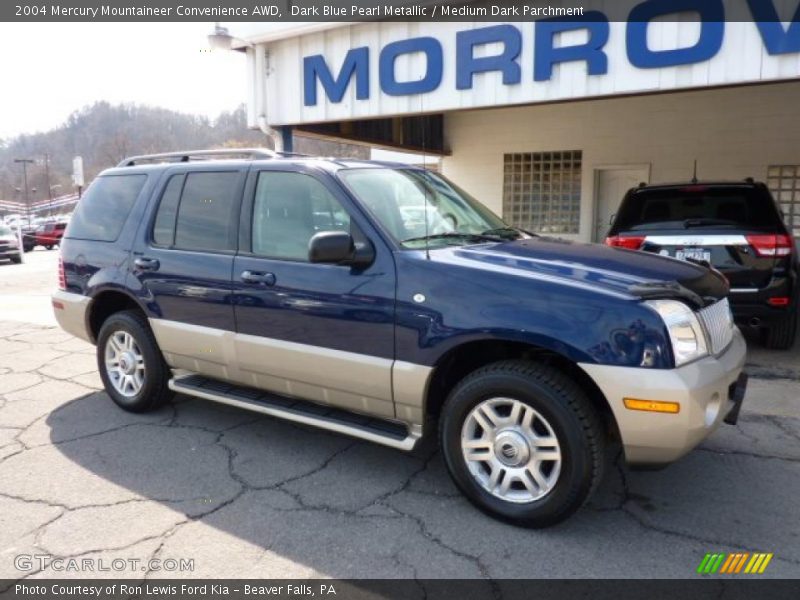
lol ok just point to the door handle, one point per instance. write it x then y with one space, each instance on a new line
257 277
147 264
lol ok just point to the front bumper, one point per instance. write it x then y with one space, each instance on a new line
708 390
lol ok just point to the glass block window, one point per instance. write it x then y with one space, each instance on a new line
542 191
784 183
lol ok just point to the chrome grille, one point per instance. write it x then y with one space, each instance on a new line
718 323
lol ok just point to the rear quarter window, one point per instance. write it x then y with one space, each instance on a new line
105 207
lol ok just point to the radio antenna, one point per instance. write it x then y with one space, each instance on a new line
424 168
694 177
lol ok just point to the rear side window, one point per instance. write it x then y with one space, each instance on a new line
195 211
698 205
105 207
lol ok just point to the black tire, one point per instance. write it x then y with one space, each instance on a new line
17 259
571 416
154 390
781 334
48 247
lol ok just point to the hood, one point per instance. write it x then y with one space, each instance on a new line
613 271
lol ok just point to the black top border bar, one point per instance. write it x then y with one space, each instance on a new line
277 11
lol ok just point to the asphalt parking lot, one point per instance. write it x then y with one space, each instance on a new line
249 496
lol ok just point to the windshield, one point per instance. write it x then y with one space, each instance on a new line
418 207
5 230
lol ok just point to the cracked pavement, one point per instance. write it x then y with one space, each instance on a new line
249 496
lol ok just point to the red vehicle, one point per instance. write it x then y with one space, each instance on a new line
49 234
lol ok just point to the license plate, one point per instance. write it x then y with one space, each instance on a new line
694 254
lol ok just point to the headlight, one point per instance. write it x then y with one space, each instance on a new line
685 331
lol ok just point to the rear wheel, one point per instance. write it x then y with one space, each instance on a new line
131 366
48 247
781 334
522 442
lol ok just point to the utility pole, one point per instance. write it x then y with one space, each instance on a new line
24 162
49 187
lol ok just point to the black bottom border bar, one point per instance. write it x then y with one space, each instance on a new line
401 589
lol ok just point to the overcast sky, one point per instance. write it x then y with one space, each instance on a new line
48 70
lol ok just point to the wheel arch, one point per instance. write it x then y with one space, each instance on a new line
105 303
461 360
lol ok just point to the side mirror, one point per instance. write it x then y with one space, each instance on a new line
339 248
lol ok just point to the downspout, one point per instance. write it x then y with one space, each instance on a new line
258 57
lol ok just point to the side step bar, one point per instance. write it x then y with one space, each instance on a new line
380 431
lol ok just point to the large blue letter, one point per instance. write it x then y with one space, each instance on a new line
776 40
546 54
467 64
315 67
712 31
433 69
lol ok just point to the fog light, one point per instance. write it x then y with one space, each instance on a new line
652 405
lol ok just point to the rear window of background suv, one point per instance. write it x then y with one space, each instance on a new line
104 208
665 208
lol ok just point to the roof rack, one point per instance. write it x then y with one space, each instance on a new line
186 156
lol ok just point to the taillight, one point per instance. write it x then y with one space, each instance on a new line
62 278
771 245
632 242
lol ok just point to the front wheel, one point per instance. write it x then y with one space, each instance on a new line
522 442
17 259
131 366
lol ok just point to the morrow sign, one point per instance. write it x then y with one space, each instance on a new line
546 53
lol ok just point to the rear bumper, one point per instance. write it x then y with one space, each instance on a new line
751 306
758 313
71 311
708 391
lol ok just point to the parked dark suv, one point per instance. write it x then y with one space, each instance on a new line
305 289
737 228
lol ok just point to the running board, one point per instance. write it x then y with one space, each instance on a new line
380 431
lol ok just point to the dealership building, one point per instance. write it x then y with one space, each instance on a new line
550 122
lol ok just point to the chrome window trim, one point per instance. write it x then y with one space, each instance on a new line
689 239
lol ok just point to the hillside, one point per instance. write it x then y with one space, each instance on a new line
103 134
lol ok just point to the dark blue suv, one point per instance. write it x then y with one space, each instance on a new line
375 299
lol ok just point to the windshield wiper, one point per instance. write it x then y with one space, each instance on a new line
702 222
501 231
457 235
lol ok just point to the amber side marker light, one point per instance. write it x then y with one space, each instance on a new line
652 405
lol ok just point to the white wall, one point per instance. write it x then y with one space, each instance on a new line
733 133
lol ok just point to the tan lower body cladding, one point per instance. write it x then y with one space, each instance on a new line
358 382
